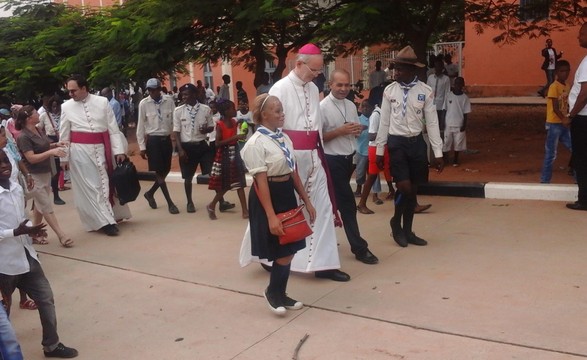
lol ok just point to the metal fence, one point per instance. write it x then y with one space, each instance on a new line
455 49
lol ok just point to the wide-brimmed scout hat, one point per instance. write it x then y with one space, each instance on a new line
407 56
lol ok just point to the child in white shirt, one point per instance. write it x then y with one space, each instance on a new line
457 105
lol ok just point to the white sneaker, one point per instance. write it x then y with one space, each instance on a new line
274 303
292 304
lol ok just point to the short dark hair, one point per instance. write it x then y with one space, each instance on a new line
561 63
222 105
79 79
54 99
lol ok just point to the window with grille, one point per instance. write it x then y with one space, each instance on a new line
534 9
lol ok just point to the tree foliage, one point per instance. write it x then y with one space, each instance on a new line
34 42
121 45
250 32
394 22
515 20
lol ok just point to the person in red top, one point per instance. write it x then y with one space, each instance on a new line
228 169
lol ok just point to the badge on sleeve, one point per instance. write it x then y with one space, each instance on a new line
421 97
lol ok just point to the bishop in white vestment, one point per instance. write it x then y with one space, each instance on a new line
88 125
301 104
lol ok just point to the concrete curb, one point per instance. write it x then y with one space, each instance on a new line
502 190
518 191
490 190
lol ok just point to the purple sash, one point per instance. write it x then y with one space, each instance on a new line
310 140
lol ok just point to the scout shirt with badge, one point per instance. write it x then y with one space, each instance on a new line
189 120
405 111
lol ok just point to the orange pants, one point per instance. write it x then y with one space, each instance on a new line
373 169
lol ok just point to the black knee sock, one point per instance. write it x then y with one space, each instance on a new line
153 188
278 278
410 205
187 185
286 269
165 192
399 202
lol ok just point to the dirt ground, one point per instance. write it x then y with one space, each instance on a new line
505 142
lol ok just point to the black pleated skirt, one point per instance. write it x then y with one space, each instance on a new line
264 244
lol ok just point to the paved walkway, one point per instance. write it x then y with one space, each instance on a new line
500 279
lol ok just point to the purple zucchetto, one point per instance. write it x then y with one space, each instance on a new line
310 49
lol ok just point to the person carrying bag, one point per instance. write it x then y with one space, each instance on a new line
268 155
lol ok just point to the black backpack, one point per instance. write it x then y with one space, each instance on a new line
126 182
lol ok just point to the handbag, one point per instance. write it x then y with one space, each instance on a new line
294 225
126 182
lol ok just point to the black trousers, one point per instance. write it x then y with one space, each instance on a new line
341 169
579 154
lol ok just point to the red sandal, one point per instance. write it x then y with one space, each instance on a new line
28 304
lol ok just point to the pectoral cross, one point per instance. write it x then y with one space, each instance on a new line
307 128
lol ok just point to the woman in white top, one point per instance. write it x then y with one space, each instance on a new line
49 122
268 155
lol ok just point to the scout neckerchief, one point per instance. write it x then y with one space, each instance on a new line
406 88
158 107
278 137
193 111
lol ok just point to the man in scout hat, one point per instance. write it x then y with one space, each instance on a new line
408 106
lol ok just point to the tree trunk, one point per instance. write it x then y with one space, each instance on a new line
281 54
258 53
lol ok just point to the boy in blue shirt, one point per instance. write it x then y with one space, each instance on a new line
362 155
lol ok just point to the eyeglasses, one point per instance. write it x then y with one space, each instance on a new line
73 91
315 72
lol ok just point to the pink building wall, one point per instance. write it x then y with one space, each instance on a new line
512 70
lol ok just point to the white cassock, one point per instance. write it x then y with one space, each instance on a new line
301 105
87 162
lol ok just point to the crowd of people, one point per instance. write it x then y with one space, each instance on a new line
298 147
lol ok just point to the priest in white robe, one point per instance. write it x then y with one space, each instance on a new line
95 144
303 124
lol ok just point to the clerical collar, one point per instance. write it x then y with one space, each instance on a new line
296 79
335 100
